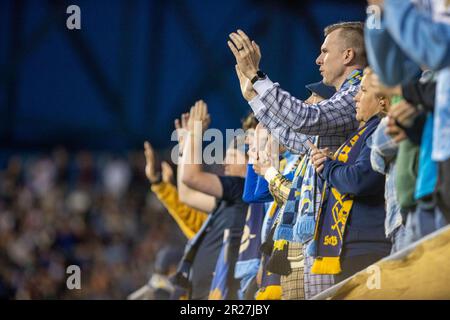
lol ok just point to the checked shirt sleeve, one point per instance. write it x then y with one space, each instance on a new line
279 186
335 116
293 141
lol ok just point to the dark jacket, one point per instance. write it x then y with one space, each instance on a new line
365 228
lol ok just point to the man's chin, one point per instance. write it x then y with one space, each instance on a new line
326 82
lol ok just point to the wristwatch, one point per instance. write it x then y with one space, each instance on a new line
259 76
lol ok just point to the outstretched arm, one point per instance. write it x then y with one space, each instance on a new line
280 131
189 196
194 176
334 116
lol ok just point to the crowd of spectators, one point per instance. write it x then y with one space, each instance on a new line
87 209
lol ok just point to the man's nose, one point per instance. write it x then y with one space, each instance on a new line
319 60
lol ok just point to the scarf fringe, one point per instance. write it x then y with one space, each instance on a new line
304 228
246 268
267 246
326 265
278 262
269 293
284 232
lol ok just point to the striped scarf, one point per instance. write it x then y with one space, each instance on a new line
335 211
284 230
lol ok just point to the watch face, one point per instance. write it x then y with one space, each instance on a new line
260 74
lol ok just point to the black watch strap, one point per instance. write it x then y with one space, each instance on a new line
259 76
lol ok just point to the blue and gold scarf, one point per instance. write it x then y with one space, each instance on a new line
335 210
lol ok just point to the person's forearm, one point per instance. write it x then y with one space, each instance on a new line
425 40
350 179
378 162
383 143
192 165
193 176
386 58
334 116
293 141
192 198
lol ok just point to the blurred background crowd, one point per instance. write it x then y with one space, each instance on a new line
87 209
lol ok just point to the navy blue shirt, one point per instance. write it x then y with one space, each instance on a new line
230 214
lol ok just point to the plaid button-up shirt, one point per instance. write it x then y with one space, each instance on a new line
292 121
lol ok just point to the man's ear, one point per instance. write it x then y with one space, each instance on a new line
349 56
384 105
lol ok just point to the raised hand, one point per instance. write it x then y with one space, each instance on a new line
262 163
150 170
181 127
397 133
167 172
251 141
199 113
404 113
246 52
272 151
318 158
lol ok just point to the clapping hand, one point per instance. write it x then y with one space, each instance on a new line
262 163
397 133
181 127
265 157
404 113
319 156
246 52
150 170
401 116
199 113
167 172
